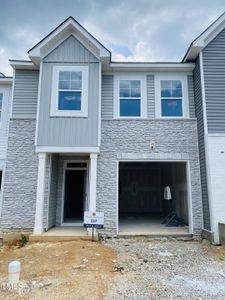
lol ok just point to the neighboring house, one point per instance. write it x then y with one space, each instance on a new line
87 133
5 92
208 52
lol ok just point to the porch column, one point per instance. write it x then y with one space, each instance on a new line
93 181
38 227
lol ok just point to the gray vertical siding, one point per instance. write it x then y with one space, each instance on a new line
107 96
25 94
53 192
191 96
201 143
68 131
150 96
71 50
214 77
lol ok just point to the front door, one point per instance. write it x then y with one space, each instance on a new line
74 196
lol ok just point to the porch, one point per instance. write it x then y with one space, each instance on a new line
66 188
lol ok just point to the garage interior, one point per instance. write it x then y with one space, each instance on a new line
153 198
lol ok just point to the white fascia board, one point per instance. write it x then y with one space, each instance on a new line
146 67
62 149
68 26
21 64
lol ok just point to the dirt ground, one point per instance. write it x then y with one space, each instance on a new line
150 269
60 270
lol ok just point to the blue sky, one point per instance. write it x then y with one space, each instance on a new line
143 30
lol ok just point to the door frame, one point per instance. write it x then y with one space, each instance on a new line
86 187
189 188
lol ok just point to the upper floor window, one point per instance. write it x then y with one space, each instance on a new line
70 91
130 96
171 96
1 100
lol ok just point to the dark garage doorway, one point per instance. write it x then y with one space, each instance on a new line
142 204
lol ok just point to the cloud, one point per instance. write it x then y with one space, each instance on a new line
142 30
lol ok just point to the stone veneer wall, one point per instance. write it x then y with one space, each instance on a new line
130 139
19 191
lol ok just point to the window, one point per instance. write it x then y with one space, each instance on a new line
171 98
130 96
70 91
1 100
171 93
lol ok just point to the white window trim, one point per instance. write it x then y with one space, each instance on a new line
185 103
116 95
1 107
55 112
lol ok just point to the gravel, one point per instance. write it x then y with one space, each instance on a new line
168 269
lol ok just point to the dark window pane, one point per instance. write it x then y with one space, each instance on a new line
64 75
135 93
135 84
0 180
125 93
75 85
130 108
171 108
64 85
176 84
177 93
76 75
124 84
165 84
166 93
69 101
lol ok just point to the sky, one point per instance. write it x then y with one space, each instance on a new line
133 30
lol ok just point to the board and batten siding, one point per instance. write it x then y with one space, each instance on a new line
69 131
214 77
201 144
25 94
71 50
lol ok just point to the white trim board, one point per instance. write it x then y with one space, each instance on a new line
61 149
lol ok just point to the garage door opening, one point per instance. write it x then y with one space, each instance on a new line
153 198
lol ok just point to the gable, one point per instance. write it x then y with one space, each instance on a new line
217 45
70 50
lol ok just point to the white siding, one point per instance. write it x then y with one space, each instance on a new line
216 146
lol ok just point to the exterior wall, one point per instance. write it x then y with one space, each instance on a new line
69 131
71 50
129 140
201 143
25 94
107 96
19 199
216 146
214 77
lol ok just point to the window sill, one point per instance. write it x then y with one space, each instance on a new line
69 114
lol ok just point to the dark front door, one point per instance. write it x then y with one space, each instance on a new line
74 196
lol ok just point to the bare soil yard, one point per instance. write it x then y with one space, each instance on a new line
150 269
